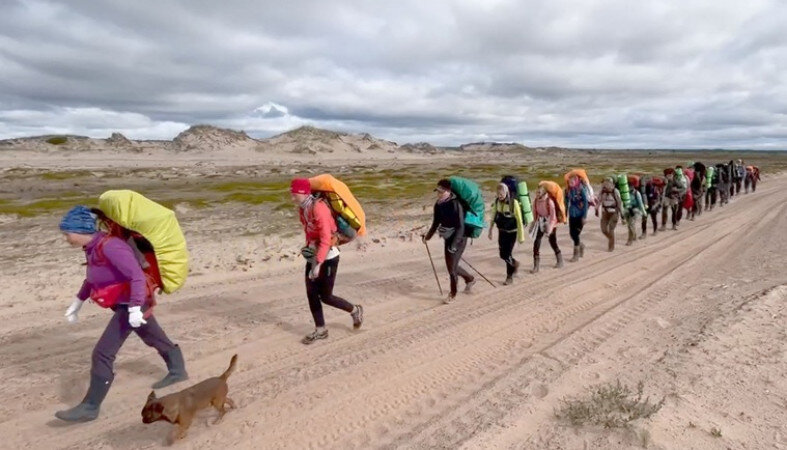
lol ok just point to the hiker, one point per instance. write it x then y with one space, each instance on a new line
740 176
698 189
545 223
753 177
578 204
724 183
449 222
674 193
712 194
635 210
654 190
322 259
611 210
508 218
114 276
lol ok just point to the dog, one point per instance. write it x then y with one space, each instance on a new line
180 408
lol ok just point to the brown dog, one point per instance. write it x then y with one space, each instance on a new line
179 408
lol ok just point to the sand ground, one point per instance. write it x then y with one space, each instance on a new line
698 315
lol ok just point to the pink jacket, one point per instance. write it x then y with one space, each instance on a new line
319 226
545 207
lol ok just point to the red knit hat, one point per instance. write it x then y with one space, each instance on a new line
300 186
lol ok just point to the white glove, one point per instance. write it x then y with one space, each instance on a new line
135 318
71 312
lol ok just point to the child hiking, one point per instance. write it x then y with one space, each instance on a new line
545 224
111 264
611 210
510 226
322 259
635 210
449 222
578 204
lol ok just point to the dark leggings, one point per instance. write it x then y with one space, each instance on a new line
575 226
506 241
452 264
552 241
320 291
116 333
654 218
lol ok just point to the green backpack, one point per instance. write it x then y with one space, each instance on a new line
469 194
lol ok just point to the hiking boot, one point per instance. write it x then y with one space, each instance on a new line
536 263
575 258
559 263
629 242
516 268
176 367
357 316
663 228
91 404
582 250
314 335
469 286
449 299
508 281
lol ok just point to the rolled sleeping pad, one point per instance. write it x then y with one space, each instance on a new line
623 187
524 201
709 171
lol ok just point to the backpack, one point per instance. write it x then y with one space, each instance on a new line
155 231
556 193
347 212
622 183
709 175
518 190
469 195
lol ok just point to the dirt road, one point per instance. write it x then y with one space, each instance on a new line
698 315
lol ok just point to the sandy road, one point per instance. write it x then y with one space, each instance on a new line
484 372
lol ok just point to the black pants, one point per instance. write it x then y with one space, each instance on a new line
116 333
452 263
575 226
320 290
552 241
711 197
506 241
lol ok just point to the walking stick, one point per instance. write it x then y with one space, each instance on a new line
476 271
433 268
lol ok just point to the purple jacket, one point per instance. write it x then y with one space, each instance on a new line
118 265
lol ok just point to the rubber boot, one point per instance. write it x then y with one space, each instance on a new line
559 257
575 258
176 367
581 250
91 404
536 263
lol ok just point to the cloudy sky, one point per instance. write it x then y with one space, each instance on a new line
583 73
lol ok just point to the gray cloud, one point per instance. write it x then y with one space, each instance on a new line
697 73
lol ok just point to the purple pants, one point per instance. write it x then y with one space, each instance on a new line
115 335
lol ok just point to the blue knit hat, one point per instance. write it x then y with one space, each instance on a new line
79 220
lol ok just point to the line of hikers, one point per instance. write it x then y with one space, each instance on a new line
633 199
134 247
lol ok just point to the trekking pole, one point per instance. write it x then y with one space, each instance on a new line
476 271
433 268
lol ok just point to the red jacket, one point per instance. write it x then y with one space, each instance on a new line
319 226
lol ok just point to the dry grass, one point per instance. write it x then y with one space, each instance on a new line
611 405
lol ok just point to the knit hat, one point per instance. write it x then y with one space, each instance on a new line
79 220
300 186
